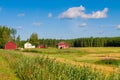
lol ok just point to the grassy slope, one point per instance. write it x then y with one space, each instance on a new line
5 72
88 55
28 68
74 55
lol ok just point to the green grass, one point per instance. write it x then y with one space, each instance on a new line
14 63
101 49
45 68
87 55
6 73
108 61
48 69
58 53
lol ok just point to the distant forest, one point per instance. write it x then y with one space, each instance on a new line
85 42
9 34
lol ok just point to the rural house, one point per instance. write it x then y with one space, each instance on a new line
41 46
28 45
10 45
62 45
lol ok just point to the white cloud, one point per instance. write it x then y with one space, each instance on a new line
49 15
36 24
21 14
118 27
79 12
83 25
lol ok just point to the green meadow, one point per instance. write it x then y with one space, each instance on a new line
87 55
90 63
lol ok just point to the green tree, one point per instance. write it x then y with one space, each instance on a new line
13 33
34 39
18 42
6 34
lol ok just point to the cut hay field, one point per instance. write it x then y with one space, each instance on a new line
101 63
86 55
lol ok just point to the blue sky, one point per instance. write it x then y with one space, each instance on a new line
62 19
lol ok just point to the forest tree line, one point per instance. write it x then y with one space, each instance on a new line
85 42
9 34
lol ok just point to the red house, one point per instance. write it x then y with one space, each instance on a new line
62 45
41 46
10 45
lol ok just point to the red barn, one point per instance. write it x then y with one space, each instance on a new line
10 45
62 45
41 46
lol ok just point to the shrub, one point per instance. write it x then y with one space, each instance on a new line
108 61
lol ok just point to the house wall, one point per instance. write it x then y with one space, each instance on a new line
41 46
10 45
28 45
63 45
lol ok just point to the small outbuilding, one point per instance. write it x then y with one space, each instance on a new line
41 46
28 45
10 45
62 45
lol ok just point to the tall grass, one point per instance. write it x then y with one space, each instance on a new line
45 68
42 68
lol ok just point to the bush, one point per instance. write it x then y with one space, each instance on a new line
109 61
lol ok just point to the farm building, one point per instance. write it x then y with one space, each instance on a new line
28 45
41 46
10 45
62 45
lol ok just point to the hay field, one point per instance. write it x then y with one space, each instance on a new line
98 61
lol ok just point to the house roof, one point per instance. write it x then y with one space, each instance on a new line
10 42
62 43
